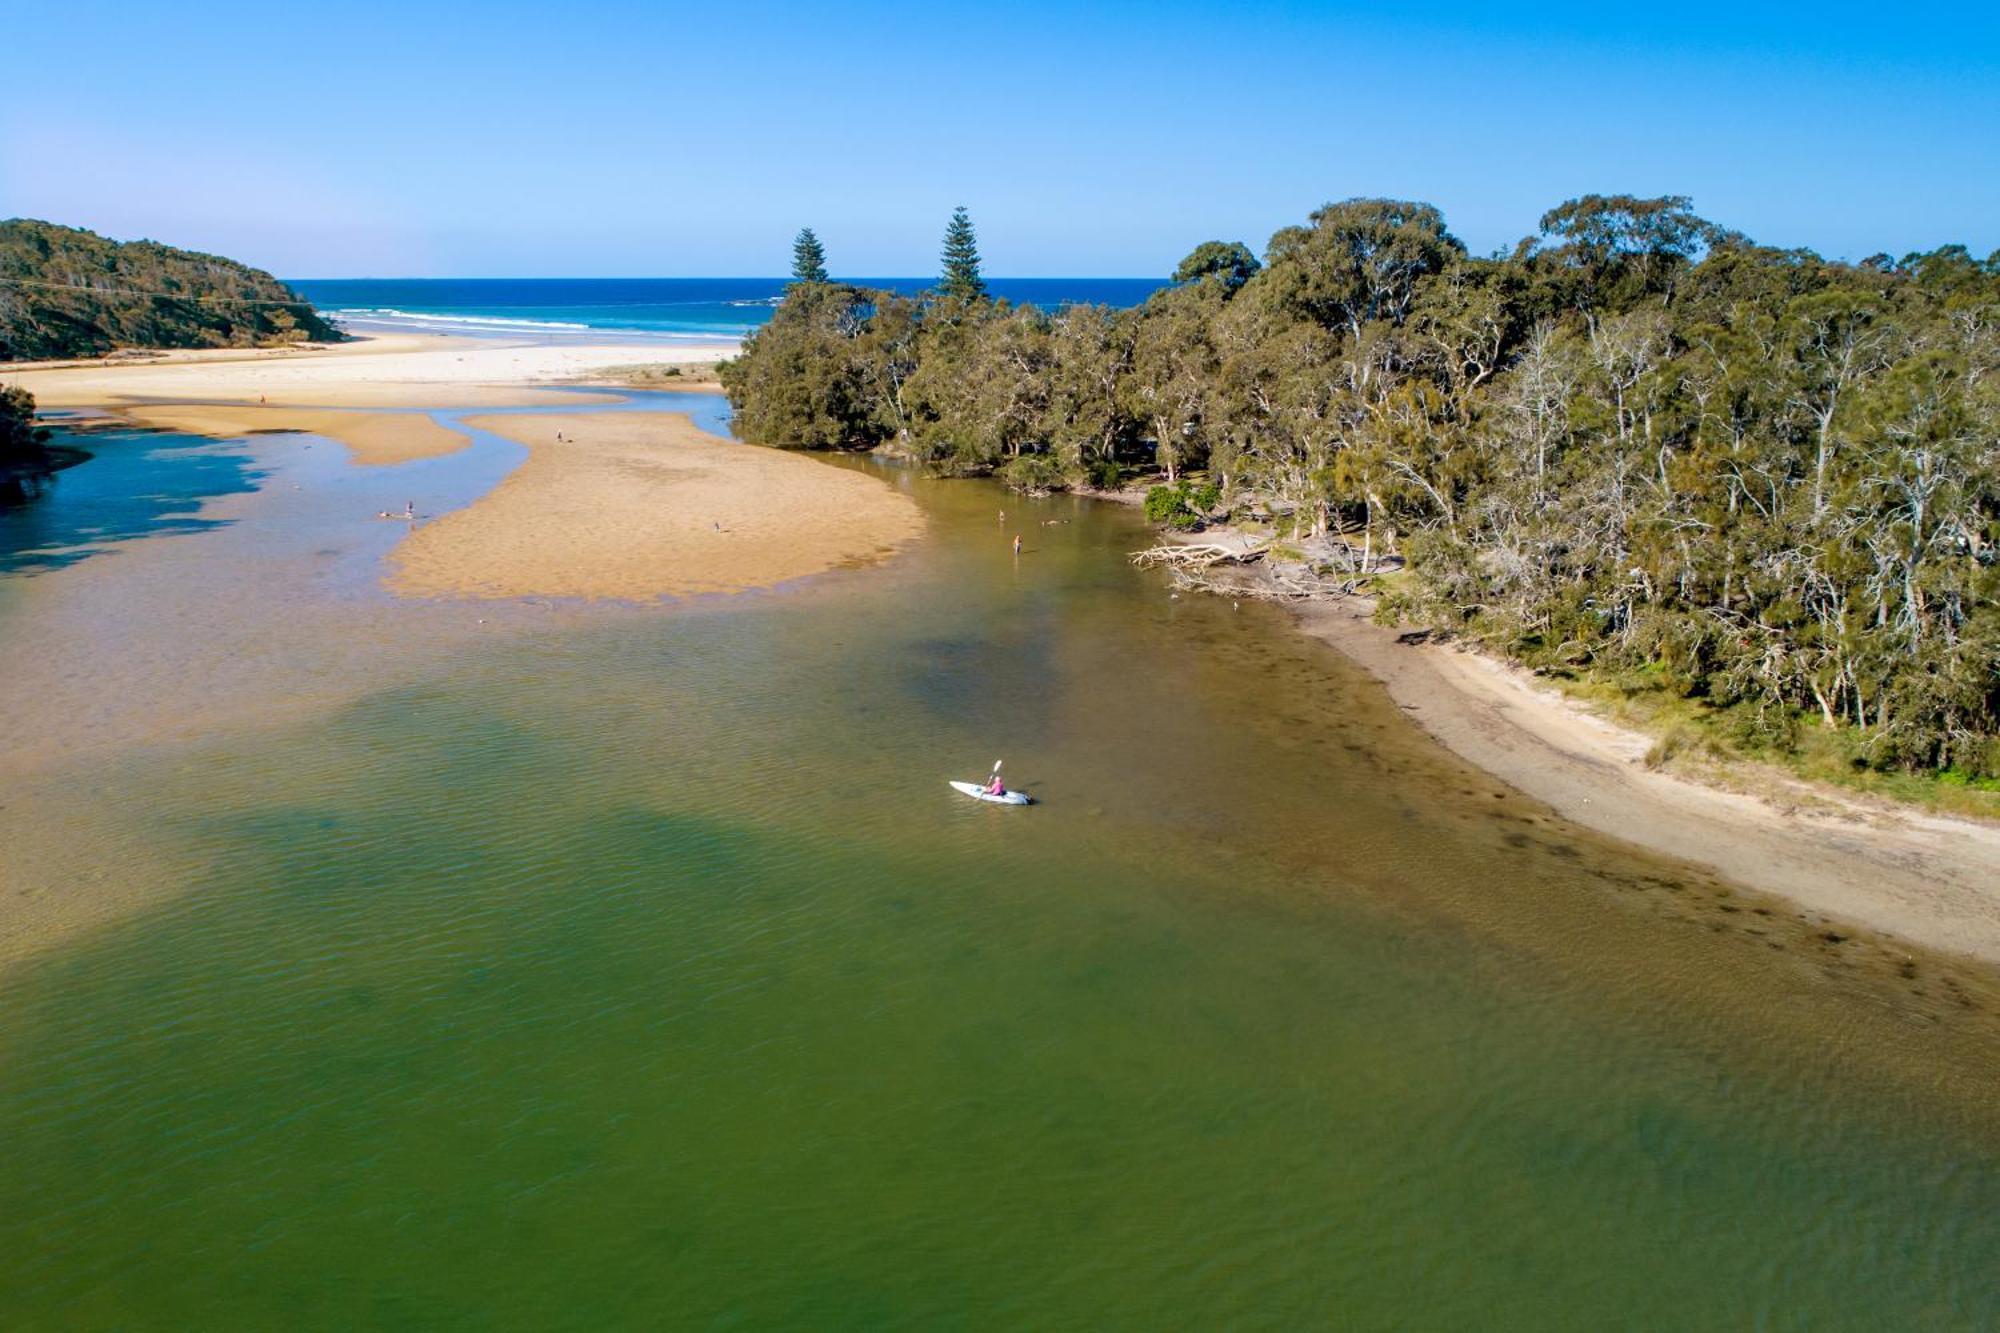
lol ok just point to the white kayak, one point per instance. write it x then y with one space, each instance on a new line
979 793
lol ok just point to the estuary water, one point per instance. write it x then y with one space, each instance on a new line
611 967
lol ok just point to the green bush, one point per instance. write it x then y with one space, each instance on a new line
1182 506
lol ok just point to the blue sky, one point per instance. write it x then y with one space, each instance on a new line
415 139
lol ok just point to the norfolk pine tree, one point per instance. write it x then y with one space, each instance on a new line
961 280
808 257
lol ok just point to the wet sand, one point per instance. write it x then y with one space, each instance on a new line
638 506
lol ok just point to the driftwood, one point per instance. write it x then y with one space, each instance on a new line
1241 571
1196 555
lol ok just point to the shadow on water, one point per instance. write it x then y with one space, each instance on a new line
134 483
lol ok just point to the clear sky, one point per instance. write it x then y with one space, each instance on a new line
597 137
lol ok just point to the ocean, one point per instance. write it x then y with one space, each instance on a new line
637 309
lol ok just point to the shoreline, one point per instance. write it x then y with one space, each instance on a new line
1930 880
428 371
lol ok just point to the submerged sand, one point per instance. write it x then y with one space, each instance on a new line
642 505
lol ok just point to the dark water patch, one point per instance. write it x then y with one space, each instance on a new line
136 484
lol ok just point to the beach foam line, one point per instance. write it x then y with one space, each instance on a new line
386 312
472 325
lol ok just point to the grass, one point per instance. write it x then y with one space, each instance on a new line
1693 734
641 374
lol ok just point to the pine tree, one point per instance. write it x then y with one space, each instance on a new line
961 279
808 257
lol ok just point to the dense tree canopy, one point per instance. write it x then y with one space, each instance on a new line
67 292
1639 442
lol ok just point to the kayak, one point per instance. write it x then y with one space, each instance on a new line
979 793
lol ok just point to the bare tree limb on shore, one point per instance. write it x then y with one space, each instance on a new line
1227 570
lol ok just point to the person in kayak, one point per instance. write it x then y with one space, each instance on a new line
995 787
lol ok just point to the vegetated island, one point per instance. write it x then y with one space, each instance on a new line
66 292
1750 493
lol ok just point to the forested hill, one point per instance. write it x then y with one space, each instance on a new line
1638 445
68 292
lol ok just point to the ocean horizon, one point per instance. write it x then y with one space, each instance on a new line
691 310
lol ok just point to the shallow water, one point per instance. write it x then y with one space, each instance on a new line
622 968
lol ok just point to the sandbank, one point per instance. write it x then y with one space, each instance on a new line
1931 880
642 505
371 437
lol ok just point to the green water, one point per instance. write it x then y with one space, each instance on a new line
640 971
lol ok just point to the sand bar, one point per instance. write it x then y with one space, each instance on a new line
372 437
642 505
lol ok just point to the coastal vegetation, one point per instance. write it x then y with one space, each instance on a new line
26 457
1637 446
67 292
22 442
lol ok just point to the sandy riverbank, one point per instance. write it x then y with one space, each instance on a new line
637 506
1931 880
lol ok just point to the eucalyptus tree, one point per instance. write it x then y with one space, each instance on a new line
1173 374
1228 264
1359 260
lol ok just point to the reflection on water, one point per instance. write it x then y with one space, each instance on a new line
630 969
136 484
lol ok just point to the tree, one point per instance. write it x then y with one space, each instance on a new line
961 280
808 257
1625 247
20 439
1228 264
1360 260
800 382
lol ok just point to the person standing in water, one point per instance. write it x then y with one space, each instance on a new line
1017 543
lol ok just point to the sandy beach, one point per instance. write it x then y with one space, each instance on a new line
1928 879
637 506
393 370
